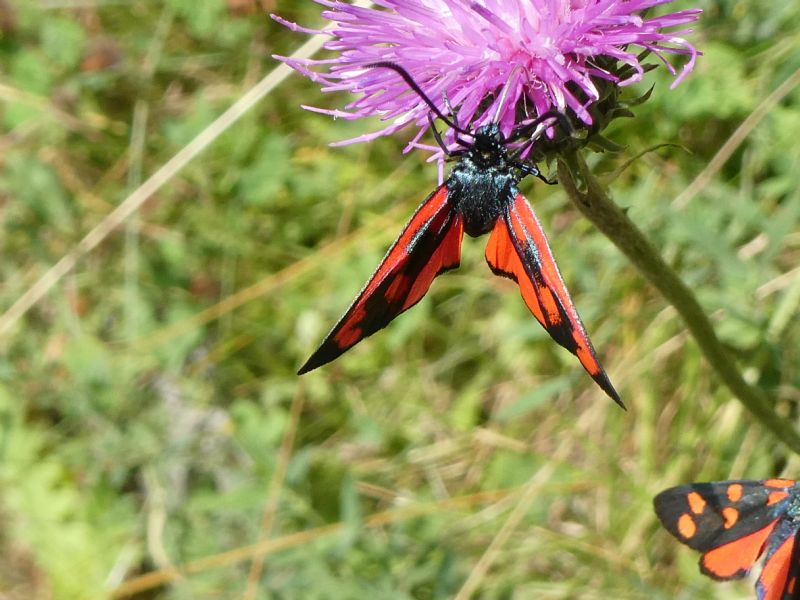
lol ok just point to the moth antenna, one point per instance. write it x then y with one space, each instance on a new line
531 129
418 90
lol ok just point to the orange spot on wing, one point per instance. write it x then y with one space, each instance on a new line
696 502
731 515
779 483
735 492
736 558
686 526
776 570
775 497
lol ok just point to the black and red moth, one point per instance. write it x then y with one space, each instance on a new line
480 196
733 523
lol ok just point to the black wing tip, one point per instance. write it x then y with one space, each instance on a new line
321 357
306 368
605 384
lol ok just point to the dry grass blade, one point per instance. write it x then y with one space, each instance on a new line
163 175
736 139
530 492
89 126
156 579
258 289
273 496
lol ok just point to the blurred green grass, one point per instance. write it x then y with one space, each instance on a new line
135 436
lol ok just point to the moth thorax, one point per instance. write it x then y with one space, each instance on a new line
793 511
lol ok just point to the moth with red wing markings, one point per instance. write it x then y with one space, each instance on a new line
733 523
481 195
429 245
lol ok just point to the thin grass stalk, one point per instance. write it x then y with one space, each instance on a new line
595 205
155 182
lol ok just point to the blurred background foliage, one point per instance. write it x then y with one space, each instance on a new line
140 433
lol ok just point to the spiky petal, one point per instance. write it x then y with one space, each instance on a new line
532 56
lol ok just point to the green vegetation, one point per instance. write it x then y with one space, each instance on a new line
150 417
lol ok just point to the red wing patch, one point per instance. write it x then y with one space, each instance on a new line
429 245
733 523
518 249
735 559
778 578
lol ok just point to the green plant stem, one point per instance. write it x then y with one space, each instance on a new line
595 204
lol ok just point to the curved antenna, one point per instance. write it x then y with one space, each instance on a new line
530 128
414 86
534 129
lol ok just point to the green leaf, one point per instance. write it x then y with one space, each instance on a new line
535 398
88 360
63 41
261 180
203 18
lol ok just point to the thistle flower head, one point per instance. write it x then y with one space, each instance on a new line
503 60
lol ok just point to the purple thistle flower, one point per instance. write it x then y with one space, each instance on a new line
528 56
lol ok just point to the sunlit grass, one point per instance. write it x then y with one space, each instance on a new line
145 397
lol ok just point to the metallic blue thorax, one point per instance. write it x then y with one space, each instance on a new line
483 182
